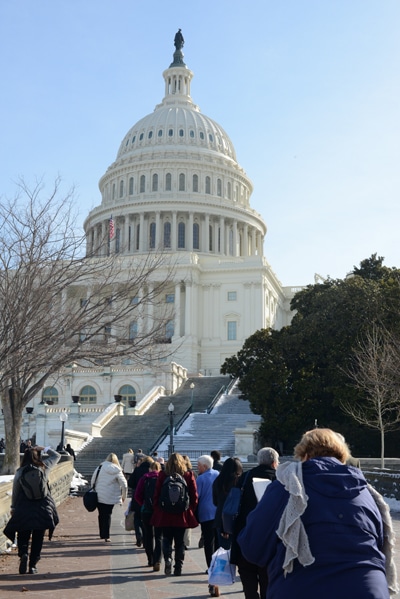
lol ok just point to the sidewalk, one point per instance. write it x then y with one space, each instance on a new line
76 564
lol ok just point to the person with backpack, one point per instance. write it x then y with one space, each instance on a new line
175 503
144 496
33 510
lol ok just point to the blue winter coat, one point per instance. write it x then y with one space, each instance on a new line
344 529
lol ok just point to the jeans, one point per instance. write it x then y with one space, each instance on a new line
254 579
209 537
152 536
174 534
105 511
23 537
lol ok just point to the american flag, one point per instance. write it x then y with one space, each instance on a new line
111 228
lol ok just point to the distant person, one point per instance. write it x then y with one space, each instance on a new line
31 517
254 578
128 463
174 524
216 456
139 455
320 530
152 535
70 450
206 510
142 468
111 490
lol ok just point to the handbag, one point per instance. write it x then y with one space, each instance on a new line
221 571
231 507
90 499
129 521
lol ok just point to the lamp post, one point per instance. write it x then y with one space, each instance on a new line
191 398
63 418
171 408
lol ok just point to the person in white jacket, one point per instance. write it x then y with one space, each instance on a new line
111 487
128 463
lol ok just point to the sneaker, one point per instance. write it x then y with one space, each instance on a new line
139 542
23 564
156 567
168 567
177 572
33 570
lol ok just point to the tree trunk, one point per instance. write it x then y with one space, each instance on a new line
382 448
13 413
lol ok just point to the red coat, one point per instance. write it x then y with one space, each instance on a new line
186 519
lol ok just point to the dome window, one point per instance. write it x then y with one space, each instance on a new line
150 134
121 189
167 235
142 183
154 186
208 185
127 141
210 137
152 236
182 183
168 182
133 139
160 132
181 132
131 186
170 132
196 236
141 136
191 133
195 183
181 236
219 187
201 135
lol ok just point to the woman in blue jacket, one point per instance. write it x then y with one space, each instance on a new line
320 530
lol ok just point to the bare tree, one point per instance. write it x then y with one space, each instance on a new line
59 306
374 371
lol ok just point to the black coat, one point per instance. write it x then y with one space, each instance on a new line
248 503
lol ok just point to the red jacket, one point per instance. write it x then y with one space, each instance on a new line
186 519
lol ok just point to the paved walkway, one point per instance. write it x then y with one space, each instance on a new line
76 564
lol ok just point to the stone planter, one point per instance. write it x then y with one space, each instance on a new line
75 398
132 403
29 410
117 398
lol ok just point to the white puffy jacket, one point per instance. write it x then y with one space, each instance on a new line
111 484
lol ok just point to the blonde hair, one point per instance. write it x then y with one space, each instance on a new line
322 442
175 465
155 466
113 458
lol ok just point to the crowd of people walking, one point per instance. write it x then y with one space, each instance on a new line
316 528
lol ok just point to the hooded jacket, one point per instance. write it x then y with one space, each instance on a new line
111 484
344 530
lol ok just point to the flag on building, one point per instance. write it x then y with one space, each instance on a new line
111 228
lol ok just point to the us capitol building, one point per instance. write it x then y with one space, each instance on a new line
176 184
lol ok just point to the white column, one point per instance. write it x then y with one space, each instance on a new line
190 236
235 238
174 232
253 241
141 233
222 228
158 232
188 309
125 238
206 233
245 241
177 320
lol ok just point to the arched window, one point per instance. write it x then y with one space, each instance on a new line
167 235
208 185
133 330
196 236
154 186
152 236
181 182
229 191
113 191
195 183
142 183
210 238
131 186
168 182
181 235
88 394
121 189
219 187
50 394
128 393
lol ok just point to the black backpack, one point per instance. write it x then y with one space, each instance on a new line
174 495
148 494
34 482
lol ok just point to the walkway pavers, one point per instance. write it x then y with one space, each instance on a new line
76 564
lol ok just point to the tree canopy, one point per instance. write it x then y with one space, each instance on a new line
296 377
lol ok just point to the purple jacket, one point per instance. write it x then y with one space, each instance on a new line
344 529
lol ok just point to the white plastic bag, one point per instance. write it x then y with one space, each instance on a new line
221 571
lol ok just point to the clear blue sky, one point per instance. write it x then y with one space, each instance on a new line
308 91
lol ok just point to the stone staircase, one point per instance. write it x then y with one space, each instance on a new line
144 431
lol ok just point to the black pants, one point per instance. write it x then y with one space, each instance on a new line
209 537
254 579
105 511
152 536
23 537
174 534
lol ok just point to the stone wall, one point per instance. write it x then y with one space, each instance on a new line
60 478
